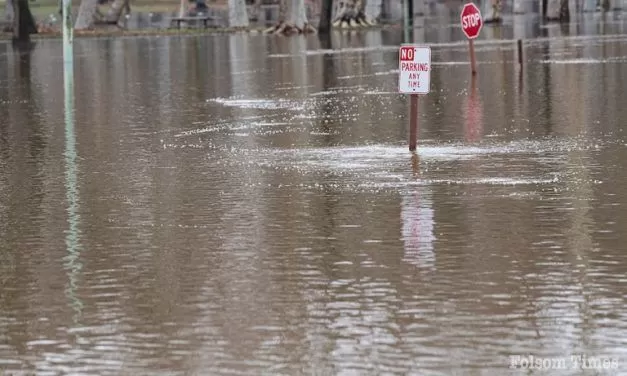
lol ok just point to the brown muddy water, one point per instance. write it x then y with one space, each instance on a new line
240 204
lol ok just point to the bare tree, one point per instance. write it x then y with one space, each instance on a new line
238 16
86 15
605 4
557 10
564 11
520 6
292 18
374 8
492 11
116 9
8 10
23 21
324 24
351 13
89 14
256 11
589 5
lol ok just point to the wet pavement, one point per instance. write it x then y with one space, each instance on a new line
247 205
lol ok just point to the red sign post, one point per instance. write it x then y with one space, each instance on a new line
414 66
471 25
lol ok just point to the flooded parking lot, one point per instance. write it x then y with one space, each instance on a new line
244 204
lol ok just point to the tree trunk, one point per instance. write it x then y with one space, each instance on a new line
492 11
238 16
351 14
564 11
420 7
299 14
86 15
589 5
605 5
115 11
8 10
521 6
23 22
553 10
324 24
182 9
256 10
292 18
374 9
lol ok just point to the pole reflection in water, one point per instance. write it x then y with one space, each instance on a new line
418 225
72 260
473 114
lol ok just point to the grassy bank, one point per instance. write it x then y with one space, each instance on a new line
43 8
110 32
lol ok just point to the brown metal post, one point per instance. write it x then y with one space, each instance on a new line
473 65
413 121
520 53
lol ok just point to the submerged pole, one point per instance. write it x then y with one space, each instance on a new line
413 121
520 53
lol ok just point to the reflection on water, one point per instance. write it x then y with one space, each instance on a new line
418 225
245 204
72 260
473 111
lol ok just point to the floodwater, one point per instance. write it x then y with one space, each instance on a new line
244 204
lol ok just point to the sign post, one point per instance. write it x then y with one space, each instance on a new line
414 79
471 25
68 34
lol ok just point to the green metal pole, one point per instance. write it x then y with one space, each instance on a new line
68 36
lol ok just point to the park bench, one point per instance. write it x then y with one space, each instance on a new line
204 20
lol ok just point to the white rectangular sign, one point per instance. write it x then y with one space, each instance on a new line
414 66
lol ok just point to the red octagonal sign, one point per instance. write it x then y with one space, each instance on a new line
471 20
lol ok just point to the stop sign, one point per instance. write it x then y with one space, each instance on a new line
471 20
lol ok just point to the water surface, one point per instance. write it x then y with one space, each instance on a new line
247 205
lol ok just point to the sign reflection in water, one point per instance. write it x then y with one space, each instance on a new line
473 114
418 225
